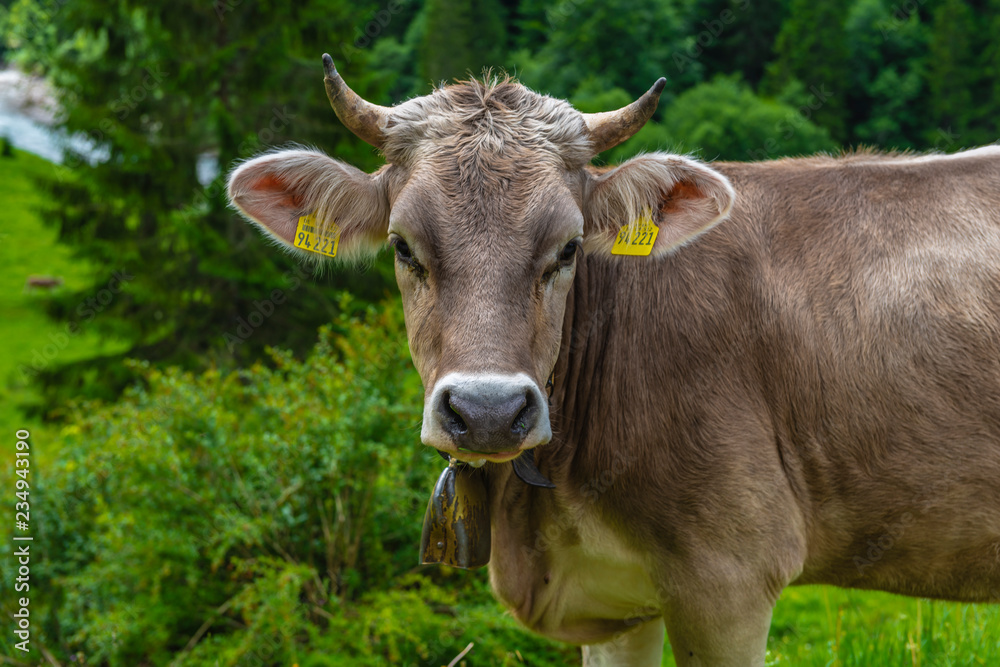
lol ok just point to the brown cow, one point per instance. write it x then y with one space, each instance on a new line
43 282
808 392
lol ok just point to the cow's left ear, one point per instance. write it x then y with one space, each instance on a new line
682 196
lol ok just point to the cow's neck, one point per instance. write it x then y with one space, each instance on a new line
538 533
581 470
581 396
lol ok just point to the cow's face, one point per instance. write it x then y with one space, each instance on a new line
489 203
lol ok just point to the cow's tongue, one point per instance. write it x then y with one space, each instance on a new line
524 468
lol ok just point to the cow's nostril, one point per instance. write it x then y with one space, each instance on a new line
526 417
524 420
455 422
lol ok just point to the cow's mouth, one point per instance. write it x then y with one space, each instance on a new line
476 459
523 462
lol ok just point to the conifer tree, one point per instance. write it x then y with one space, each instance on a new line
990 68
463 37
812 50
951 70
163 91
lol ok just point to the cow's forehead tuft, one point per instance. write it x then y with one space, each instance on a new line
492 116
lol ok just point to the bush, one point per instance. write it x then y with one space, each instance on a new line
268 516
6 147
725 120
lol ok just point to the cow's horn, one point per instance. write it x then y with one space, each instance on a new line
361 117
610 128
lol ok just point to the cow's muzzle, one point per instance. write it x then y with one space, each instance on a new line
492 417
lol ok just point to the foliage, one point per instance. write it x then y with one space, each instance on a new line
462 38
724 120
205 514
817 626
812 51
625 45
954 75
155 120
887 76
736 36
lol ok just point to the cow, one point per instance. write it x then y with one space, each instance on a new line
792 378
42 282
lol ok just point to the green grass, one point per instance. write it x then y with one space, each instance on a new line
28 247
822 626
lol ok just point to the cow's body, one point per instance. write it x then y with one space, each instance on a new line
808 392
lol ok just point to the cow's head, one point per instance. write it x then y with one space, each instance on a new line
489 201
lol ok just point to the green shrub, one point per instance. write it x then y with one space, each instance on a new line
725 120
269 516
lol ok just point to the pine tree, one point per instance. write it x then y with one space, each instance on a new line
952 75
738 35
624 45
161 88
812 52
463 37
888 95
990 68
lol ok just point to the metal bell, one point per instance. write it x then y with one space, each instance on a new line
457 523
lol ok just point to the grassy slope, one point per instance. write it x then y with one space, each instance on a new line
816 625
28 246
822 626
812 625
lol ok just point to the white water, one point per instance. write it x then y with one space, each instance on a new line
27 116
27 113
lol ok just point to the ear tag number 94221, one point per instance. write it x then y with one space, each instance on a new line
637 237
309 237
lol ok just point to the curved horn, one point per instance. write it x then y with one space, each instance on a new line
361 117
610 128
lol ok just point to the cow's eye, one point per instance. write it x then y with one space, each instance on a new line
564 259
403 253
405 256
567 254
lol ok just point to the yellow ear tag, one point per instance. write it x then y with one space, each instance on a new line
637 237
308 237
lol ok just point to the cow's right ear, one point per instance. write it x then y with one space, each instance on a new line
276 189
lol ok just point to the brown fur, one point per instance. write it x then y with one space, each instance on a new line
815 375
